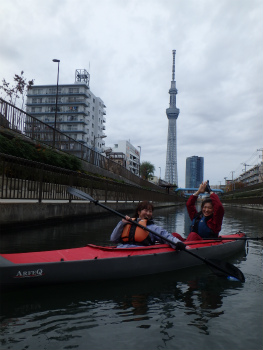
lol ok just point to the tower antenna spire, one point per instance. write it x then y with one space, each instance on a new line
173 74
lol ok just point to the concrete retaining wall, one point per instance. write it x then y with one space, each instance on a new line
32 212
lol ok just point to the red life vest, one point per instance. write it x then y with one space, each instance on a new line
133 234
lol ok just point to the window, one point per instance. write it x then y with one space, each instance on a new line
72 118
53 109
37 100
73 108
73 90
36 109
38 91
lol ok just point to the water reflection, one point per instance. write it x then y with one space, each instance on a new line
174 310
60 311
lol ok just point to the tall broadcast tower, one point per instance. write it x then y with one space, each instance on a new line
172 114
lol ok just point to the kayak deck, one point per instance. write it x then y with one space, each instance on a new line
91 252
94 263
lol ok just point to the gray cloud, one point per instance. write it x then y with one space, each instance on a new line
127 47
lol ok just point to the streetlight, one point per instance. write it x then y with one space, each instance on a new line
55 123
160 172
140 160
233 184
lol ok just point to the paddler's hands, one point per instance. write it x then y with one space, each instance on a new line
201 188
126 220
180 246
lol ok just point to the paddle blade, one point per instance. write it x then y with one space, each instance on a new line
225 269
77 193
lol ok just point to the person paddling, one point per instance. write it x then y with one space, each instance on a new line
206 223
128 235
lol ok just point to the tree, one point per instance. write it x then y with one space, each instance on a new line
19 89
146 170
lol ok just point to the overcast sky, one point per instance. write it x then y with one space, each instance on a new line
126 45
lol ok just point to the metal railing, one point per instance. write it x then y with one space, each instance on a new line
21 122
25 179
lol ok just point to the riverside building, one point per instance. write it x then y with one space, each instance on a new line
194 173
80 114
126 155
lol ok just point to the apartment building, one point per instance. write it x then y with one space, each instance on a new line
127 155
80 114
252 176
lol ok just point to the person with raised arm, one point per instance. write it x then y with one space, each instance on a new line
206 223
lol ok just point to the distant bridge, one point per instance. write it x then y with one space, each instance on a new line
195 189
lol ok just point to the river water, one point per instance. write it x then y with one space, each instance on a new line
191 309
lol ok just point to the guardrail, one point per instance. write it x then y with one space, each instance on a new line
23 123
25 179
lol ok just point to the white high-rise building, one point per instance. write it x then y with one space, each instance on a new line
127 155
80 114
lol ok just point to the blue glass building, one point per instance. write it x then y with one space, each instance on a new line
194 171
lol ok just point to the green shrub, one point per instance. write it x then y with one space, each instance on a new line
18 148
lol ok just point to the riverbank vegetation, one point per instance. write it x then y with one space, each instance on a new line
14 146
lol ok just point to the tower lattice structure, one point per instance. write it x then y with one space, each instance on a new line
172 113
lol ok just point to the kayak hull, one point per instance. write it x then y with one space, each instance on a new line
93 263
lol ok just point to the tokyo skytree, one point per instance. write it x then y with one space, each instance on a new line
172 114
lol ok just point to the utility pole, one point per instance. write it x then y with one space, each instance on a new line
260 150
140 160
246 166
56 110
225 183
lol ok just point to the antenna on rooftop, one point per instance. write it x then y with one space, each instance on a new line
173 73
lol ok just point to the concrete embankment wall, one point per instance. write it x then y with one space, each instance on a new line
30 212
245 206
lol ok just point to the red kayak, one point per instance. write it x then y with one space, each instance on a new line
93 262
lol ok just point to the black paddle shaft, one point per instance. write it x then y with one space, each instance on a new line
233 271
221 238
86 196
